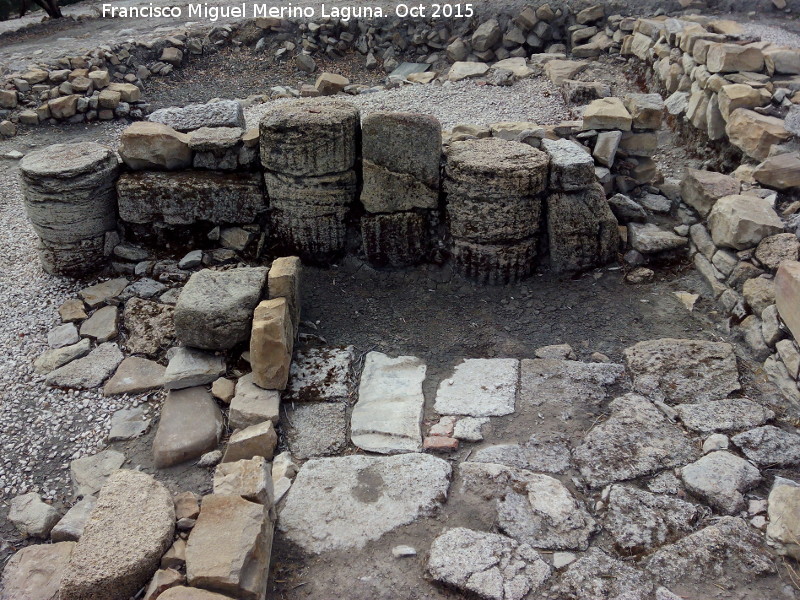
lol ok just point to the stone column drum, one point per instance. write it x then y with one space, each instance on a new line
71 201
401 161
494 207
308 150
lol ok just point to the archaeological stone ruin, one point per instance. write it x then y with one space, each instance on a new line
500 306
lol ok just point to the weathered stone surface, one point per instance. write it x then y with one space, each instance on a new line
100 293
533 455
741 222
252 405
150 326
316 429
31 516
330 84
401 153
186 197
206 139
487 564
283 281
134 375
250 479
387 416
702 189
775 249
69 199
647 110
560 70
740 95
732 414
754 133
479 387
185 593
190 425
779 172
466 70
70 527
224 113
189 367
271 344
215 308
344 502
494 169
255 440
35 572
468 429
63 335
732 58
494 264
651 239
783 508
309 137
566 387
637 439
146 145
571 166
597 575
52 359
314 232
128 423
162 580
88 372
607 113
396 239
72 310
769 446
727 546
130 528
582 230
639 521
787 295
532 508
680 371
759 293
605 148
322 374
720 478
230 546
90 473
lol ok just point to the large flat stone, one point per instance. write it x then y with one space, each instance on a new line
787 295
88 372
35 572
680 371
489 565
215 308
741 222
728 547
186 197
720 478
770 446
597 575
252 405
189 367
636 440
224 113
89 474
52 359
134 375
732 414
532 508
316 429
387 416
479 387
322 375
70 527
345 502
190 425
230 546
127 533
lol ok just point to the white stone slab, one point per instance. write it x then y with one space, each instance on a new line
387 416
480 387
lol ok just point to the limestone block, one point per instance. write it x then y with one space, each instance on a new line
740 95
283 281
190 425
398 239
271 344
607 113
741 222
787 295
781 172
250 479
315 233
754 133
335 189
571 166
35 572
732 58
255 440
701 189
226 113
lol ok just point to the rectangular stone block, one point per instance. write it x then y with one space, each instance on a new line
271 344
787 295
283 281
185 197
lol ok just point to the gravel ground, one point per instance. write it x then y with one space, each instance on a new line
466 101
42 428
778 35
